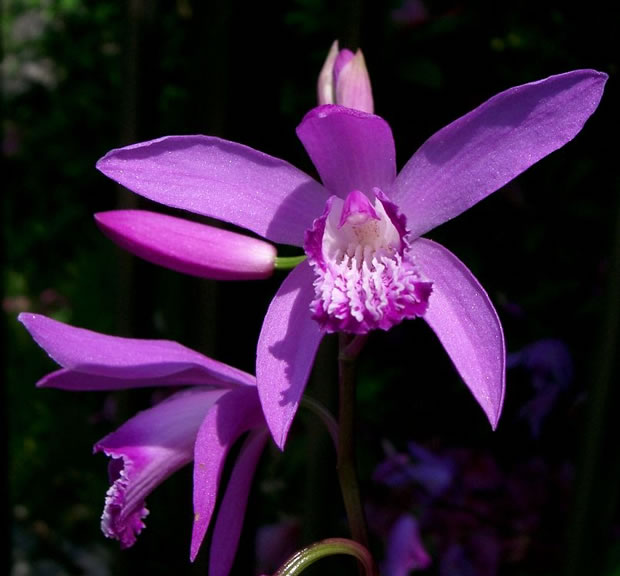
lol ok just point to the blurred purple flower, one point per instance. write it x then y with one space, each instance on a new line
368 267
422 467
200 423
405 551
550 365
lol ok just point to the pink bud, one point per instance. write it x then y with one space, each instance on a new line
187 246
344 80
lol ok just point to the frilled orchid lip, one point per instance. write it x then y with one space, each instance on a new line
366 277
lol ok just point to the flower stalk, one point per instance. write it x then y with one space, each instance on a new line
350 347
324 415
288 262
303 558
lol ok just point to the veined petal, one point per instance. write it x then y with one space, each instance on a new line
221 179
189 247
233 414
480 152
461 314
286 349
88 352
145 451
232 509
352 150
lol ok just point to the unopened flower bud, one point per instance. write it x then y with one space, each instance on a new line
188 247
344 80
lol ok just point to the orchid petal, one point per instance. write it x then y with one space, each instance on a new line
146 450
189 247
233 414
352 150
480 152
88 352
66 379
221 179
232 509
286 349
465 321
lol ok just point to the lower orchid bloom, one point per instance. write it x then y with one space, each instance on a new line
199 423
368 266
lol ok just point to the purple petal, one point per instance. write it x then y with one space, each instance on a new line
232 509
188 247
223 180
66 379
480 152
88 352
351 150
233 414
145 451
465 321
342 59
353 83
286 349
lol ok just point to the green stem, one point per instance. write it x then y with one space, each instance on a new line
324 414
297 563
350 347
288 262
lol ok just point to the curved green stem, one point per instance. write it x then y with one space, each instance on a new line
288 262
325 415
299 561
350 347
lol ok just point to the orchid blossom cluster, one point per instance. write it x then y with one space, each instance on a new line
363 265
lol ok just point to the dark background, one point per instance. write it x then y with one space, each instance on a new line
80 78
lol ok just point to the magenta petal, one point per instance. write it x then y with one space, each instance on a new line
235 413
286 349
88 352
232 509
66 379
480 152
351 150
221 179
189 247
465 321
146 450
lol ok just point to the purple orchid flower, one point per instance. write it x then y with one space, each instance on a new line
198 423
368 266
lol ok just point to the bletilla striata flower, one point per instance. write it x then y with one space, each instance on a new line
199 423
368 266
